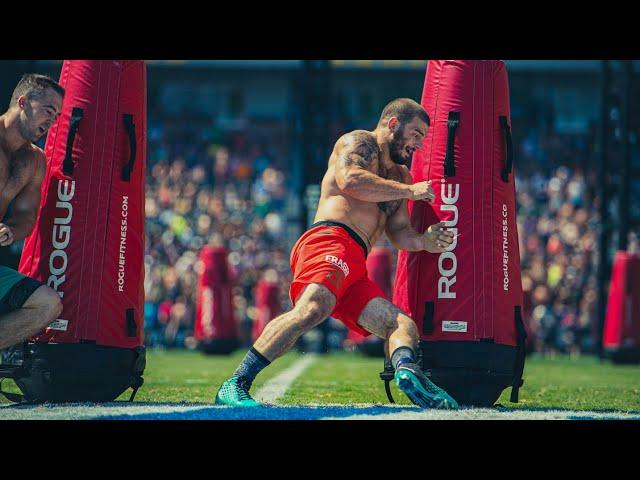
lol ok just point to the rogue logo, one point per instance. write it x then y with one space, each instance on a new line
338 262
123 242
448 275
61 235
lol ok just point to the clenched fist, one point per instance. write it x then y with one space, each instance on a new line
6 235
437 239
422 191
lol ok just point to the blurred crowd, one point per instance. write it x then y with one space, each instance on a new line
221 187
208 186
557 225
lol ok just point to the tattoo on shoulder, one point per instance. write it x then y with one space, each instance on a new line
361 150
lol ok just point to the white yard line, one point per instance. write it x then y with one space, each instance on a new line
207 411
489 414
275 388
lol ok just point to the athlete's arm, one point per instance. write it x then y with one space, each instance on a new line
358 158
404 237
25 206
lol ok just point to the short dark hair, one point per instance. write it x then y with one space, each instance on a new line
405 109
33 85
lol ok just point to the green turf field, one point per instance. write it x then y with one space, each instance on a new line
577 384
350 378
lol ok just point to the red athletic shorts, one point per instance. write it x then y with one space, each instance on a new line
331 255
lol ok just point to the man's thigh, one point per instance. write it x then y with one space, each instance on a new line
354 303
15 289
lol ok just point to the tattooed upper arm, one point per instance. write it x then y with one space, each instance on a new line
358 150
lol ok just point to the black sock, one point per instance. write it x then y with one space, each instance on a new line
250 366
402 355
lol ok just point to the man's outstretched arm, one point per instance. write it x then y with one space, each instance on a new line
402 235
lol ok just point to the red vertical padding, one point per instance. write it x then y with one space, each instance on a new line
378 271
88 242
267 305
215 317
466 287
622 321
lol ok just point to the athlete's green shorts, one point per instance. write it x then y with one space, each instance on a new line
15 289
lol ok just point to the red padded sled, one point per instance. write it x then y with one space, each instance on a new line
88 241
621 339
215 326
467 301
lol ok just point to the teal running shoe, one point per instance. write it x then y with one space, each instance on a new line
235 394
420 390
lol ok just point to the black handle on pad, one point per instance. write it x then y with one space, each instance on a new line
130 128
67 164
